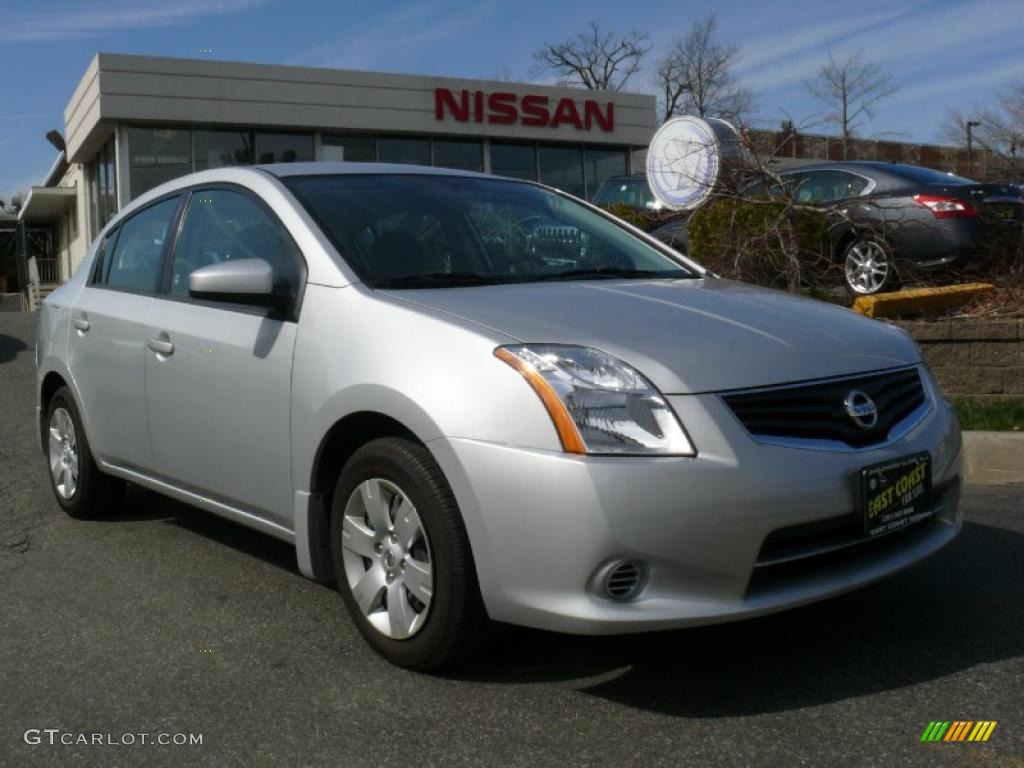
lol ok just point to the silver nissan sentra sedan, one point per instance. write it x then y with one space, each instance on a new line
466 398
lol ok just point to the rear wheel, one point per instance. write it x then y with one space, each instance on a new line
80 488
402 557
868 266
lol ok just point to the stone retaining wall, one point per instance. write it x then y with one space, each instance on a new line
980 358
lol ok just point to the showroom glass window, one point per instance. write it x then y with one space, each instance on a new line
135 263
102 179
216 149
223 225
156 155
353 148
410 151
516 160
465 155
601 164
284 147
561 167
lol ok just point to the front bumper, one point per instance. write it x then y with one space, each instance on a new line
542 524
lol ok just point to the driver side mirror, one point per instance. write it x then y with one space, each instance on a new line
244 281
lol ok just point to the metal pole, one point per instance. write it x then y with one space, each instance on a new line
971 124
22 257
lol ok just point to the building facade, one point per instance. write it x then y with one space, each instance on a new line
134 122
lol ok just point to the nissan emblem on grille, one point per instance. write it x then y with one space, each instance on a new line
861 409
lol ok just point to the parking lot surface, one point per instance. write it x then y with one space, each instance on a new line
160 619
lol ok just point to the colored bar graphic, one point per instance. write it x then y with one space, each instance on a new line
935 730
959 730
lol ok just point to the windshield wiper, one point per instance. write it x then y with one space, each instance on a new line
436 280
612 273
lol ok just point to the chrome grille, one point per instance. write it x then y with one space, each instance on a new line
816 411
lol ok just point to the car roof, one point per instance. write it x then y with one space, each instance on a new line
864 166
259 175
322 168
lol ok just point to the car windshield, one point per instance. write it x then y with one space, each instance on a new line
409 230
634 192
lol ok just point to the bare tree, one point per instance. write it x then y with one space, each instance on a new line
849 89
695 76
998 128
594 59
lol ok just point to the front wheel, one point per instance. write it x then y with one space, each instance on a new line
868 266
402 557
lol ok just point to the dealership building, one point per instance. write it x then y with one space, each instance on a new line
134 122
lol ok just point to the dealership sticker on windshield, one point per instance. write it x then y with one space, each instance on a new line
896 494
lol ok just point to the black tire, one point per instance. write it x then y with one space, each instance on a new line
455 617
863 250
95 494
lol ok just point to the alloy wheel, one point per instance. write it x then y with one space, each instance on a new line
867 267
387 558
63 453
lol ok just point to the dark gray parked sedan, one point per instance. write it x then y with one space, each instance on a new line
892 219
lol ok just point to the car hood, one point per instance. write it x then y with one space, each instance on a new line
686 336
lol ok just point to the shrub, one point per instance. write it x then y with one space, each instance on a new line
770 243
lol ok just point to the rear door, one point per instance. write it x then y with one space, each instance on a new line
219 391
108 335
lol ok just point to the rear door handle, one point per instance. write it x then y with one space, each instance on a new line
160 346
80 323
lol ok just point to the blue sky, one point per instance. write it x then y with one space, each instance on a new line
939 53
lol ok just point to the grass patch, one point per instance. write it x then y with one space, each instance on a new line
991 415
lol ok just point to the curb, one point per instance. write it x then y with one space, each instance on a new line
993 458
918 301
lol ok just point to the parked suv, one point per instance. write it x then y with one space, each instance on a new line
455 418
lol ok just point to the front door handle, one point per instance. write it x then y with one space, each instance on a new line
80 323
160 346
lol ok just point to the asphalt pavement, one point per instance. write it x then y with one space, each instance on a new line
163 620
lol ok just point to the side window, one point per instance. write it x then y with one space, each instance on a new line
805 186
221 225
135 261
827 186
846 184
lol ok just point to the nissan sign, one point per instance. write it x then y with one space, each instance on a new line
502 108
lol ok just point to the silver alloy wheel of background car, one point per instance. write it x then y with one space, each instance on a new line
387 558
63 453
867 266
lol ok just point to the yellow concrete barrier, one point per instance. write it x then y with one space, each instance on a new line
918 301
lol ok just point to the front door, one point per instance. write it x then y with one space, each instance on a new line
219 392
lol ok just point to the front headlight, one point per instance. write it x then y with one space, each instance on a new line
598 403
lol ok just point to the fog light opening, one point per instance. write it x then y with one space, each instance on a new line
624 581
